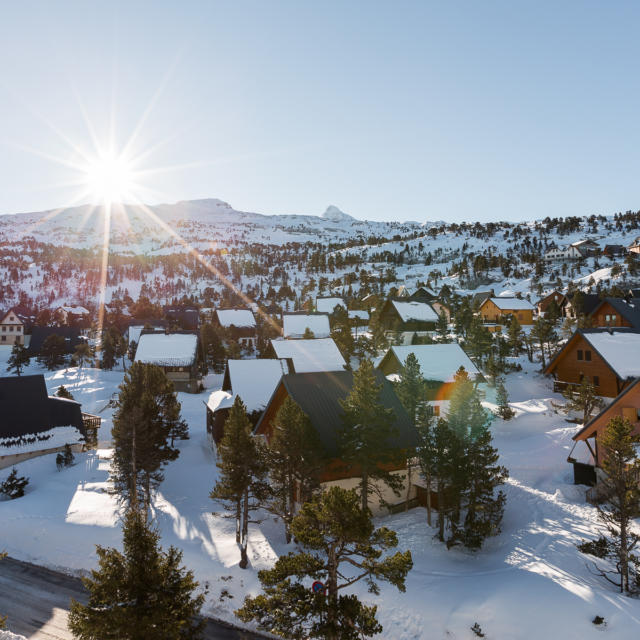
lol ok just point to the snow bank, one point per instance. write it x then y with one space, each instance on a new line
7 635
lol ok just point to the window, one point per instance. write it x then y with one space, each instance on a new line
596 381
581 378
4 338
580 356
4 328
587 355
11 329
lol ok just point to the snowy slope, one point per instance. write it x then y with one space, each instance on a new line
530 582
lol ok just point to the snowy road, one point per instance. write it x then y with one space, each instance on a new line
36 601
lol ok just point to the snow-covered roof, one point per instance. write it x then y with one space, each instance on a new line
327 305
361 315
135 330
220 400
78 311
236 317
619 349
511 303
255 380
438 361
167 350
294 325
51 439
310 355
415 311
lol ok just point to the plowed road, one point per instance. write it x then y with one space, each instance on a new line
37 600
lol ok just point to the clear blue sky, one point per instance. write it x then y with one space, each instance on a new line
389 110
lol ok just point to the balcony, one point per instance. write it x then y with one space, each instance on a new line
91 425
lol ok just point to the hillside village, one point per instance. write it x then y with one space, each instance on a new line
539 323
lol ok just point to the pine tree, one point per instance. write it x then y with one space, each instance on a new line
13 487
294 458
411 391
63 392
52 353
478 340
308 334
65 459
334 533
484 509
515 336
544 332
442 328
140 593
83 353
108 351
145 421
583 399
504 410
341 334
426 451
368 426
19 358
241 486
620 489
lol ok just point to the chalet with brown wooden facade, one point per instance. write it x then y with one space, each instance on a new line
589 457
405 315
544 303
319 395
617 312
496 310
608 358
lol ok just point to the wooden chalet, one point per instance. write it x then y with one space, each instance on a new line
608 358
32 423
496 310
408 316
176 354
543 304
319 395
240 323
254 381
73 316
439 364
12 328
614 250
617 312
588 459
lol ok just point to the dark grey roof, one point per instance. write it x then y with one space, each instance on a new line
71 336
319 395
186 317
630 311
26 408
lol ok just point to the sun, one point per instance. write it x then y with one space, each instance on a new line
109 178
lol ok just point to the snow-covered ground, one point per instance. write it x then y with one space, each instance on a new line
528 583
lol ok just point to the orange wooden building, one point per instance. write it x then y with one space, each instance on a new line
494 310
608 358
319 395
587 459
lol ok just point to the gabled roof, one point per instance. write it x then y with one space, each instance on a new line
310 355
28 409
506 304
414 310
71 337
328 304
437 361
76 311
167 350
630 310
237 317
618 348
294 324
319 395
253 380
4 316
581 435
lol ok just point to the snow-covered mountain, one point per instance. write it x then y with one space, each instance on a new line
141 228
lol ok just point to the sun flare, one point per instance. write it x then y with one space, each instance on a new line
109 178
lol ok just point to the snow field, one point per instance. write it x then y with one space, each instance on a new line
529 582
